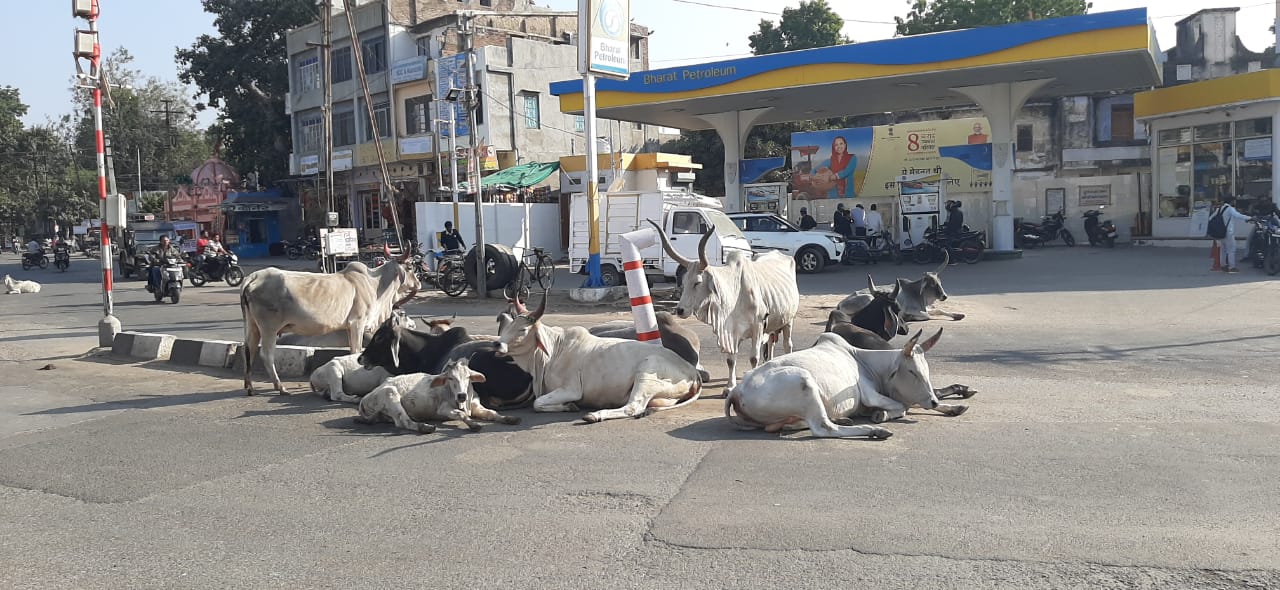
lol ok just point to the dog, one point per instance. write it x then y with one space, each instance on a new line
14 287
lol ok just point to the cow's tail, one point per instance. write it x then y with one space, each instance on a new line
732 406
246 315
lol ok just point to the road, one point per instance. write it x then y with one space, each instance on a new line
1124 436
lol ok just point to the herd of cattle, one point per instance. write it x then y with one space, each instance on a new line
413 375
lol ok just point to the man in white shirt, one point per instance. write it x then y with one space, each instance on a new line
875 224
859 220
1227 245
33 247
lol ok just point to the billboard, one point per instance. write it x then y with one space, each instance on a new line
867 161
451 72
605 31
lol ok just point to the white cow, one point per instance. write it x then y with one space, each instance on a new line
341 339
13 287
820 388
343 379
411 400
569 365
356 300
743 300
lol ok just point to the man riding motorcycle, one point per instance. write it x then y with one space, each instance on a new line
156 256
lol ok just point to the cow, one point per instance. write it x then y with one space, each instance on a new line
743 300
916 297
823 387
621 378
273 301
410 400
874 325
343 379
675 337
12 287
401 351
339 339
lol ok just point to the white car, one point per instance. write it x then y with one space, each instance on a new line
813 249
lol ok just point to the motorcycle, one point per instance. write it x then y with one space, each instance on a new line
219 267
62 258
968 247
296 249
1030 235
1259 239
871 248
1103 232
1270 247
172 271
31 259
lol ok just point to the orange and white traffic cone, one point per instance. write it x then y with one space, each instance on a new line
1217 257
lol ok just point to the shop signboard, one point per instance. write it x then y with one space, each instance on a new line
309 165
1095 195
605 31
1055 200
341 160
868 161
408 70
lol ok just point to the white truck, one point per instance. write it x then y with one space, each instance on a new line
683 216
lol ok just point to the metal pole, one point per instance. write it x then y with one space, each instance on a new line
473 181
109 326
453 169
326 113
594 280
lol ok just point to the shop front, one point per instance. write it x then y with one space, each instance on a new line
1211 139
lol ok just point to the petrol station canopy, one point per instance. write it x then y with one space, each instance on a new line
1079 55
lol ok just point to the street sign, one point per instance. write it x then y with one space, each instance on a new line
604 27
340 241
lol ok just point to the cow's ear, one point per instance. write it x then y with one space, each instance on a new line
931 341
889 325
439 381
477 378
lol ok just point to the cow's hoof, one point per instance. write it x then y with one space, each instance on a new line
591 418
704 376
880 416
509 419
572 407
843 421
880 433
957 410
646 413
248 391
955 317
475 427
425 428
966 393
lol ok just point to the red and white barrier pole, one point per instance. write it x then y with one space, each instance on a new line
109 326
637 284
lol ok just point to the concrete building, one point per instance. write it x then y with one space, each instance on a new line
410 49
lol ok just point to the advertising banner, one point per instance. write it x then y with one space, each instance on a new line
451 72
605 29
867 161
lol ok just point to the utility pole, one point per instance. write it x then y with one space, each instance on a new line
326 114
466 30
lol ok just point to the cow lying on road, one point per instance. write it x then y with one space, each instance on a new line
343 379
675 337
569 365
13 287
915 297
822 387
410 401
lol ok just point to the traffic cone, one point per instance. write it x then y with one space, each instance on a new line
1217 257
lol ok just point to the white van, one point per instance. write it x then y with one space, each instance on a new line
683 216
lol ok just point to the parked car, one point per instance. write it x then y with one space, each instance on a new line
813 249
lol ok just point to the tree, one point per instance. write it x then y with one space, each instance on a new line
812 24
932 16
245 73
39 180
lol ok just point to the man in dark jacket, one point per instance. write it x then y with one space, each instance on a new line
842 224
807 222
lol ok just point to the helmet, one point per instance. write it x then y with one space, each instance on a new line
840 206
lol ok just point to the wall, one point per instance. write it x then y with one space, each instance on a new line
518 225
1029 203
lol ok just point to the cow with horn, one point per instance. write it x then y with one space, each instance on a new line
746 299
916 298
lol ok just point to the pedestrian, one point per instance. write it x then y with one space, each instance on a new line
450 239
807 222
859 216
1227 215
875 223
842 224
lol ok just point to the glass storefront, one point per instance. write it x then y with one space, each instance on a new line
1201 164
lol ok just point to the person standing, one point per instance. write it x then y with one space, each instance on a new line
1227 244
875 223
841 224
859 216
807 222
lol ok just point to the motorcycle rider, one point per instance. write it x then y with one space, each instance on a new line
213 250
156 257
451 240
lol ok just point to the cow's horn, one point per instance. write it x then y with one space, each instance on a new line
520 309
910 347
702 247
871 284
931 341
537 315
671 250
946 259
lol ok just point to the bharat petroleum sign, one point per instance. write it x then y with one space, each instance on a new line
604 27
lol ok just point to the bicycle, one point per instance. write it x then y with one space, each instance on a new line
449 275
541 272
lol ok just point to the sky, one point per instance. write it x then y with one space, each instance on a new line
38 45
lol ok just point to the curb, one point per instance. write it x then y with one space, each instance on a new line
291 361
147 347
204 353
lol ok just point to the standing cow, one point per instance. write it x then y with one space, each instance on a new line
356 300
743 300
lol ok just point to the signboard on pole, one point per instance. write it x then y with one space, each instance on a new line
451 72
604 31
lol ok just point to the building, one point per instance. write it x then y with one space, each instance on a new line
410 50
201 200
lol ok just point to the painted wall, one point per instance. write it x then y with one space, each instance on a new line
518 225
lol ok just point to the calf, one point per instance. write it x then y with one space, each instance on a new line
13 287
915 297
675 337
410 400
344 380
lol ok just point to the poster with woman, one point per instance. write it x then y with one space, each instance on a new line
831 164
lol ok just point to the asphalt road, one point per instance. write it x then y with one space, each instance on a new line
1123 437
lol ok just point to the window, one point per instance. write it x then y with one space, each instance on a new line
417 115
308 71
309 133
424 46
762 223
344 128
1175 180
687 222
532 116
1115 121
1196 165
638 126
1184 72
579 123
486 2
340 69
369 202
1253 127
1024 138
382 114
635 48
375 54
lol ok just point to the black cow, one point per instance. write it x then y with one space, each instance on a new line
873 326
401 351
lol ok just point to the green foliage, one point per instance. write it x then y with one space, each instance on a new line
245 72
152 203
39 180
812 24
932 16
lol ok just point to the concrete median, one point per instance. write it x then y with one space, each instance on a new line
143 346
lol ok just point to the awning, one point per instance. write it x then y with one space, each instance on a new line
523 176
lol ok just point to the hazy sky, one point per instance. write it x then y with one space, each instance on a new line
38 60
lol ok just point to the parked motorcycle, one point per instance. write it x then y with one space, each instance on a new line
871 248
172 271
1030 235
62 258
30 259
1267 255
219 267
968 248
309 247
1099 232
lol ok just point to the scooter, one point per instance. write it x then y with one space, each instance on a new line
1031 235
35 259
220 267
1103 232
62 258
172 270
